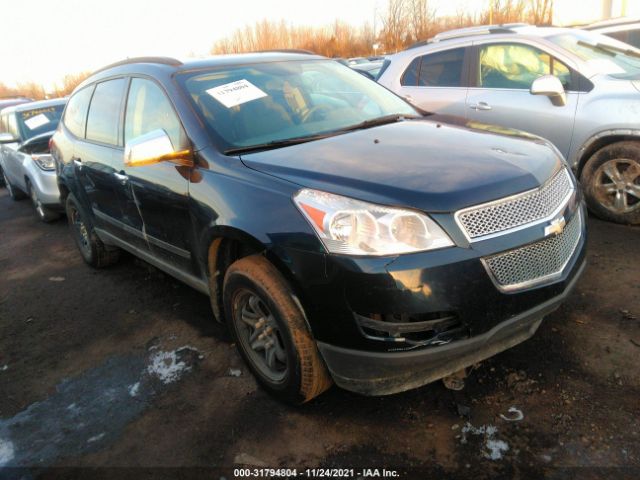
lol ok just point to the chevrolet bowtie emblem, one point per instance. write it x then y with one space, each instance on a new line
555 227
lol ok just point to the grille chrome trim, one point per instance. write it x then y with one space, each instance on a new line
536 263
526 208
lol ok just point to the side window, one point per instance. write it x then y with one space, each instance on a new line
410 75
12 125
3 123
561 71
442 69
623 36
76 113
508 65
634 38
104 112
148 109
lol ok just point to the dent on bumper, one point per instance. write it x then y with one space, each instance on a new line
384 373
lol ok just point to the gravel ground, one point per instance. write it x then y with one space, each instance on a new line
122 372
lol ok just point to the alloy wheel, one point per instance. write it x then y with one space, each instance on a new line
617 185
37 204
259 335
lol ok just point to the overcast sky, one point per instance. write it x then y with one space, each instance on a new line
42 40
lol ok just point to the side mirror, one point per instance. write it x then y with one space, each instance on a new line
550 86
154 147
7 138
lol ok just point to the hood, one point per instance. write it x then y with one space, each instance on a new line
420 164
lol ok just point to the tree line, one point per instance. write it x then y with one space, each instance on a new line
400 24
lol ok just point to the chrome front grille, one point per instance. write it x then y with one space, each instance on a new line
521 209
535 263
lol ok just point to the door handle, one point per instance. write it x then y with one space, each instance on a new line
77 161
480 106
121 178
408 98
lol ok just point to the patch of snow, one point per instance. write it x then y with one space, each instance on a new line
493 448
134 389
235 372
5 368
56 279
167 367
7 452
513 415
96 438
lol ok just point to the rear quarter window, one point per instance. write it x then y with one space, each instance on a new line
75 116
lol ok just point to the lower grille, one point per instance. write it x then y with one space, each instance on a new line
536 263
437 328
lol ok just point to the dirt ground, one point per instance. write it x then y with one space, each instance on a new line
122 371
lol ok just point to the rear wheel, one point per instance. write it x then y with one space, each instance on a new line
611 181
94 252
270 331
14 193
45 214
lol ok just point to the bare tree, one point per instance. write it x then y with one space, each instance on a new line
542 11
421 17
395 26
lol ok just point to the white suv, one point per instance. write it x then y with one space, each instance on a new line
578 89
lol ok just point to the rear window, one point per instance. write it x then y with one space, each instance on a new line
37 121
440 69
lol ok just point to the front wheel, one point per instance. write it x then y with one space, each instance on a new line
94 252
611 181
45 214
270 331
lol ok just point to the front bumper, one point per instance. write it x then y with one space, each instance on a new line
45 184
384 373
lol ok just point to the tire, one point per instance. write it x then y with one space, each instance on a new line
611 182
94 252
15 193
44 214
298 372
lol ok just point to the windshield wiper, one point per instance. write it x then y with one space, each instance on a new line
274 144
374 122
611 50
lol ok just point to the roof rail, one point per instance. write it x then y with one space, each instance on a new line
611 22
470 31
161 60
287 50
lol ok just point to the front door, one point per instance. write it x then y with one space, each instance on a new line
504 73
160 191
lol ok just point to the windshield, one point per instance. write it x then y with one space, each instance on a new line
37 121
274 102
603 54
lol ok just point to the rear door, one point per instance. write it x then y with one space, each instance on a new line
502 75
159 192
437 82
99 161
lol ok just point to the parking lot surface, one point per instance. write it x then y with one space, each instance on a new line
125 367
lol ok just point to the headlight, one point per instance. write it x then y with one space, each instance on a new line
353 227
44 161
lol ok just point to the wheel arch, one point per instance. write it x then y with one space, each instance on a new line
601 140
225 245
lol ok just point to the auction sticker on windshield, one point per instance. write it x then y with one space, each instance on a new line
236 93
37 121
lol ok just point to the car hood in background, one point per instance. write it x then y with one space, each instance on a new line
419 163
